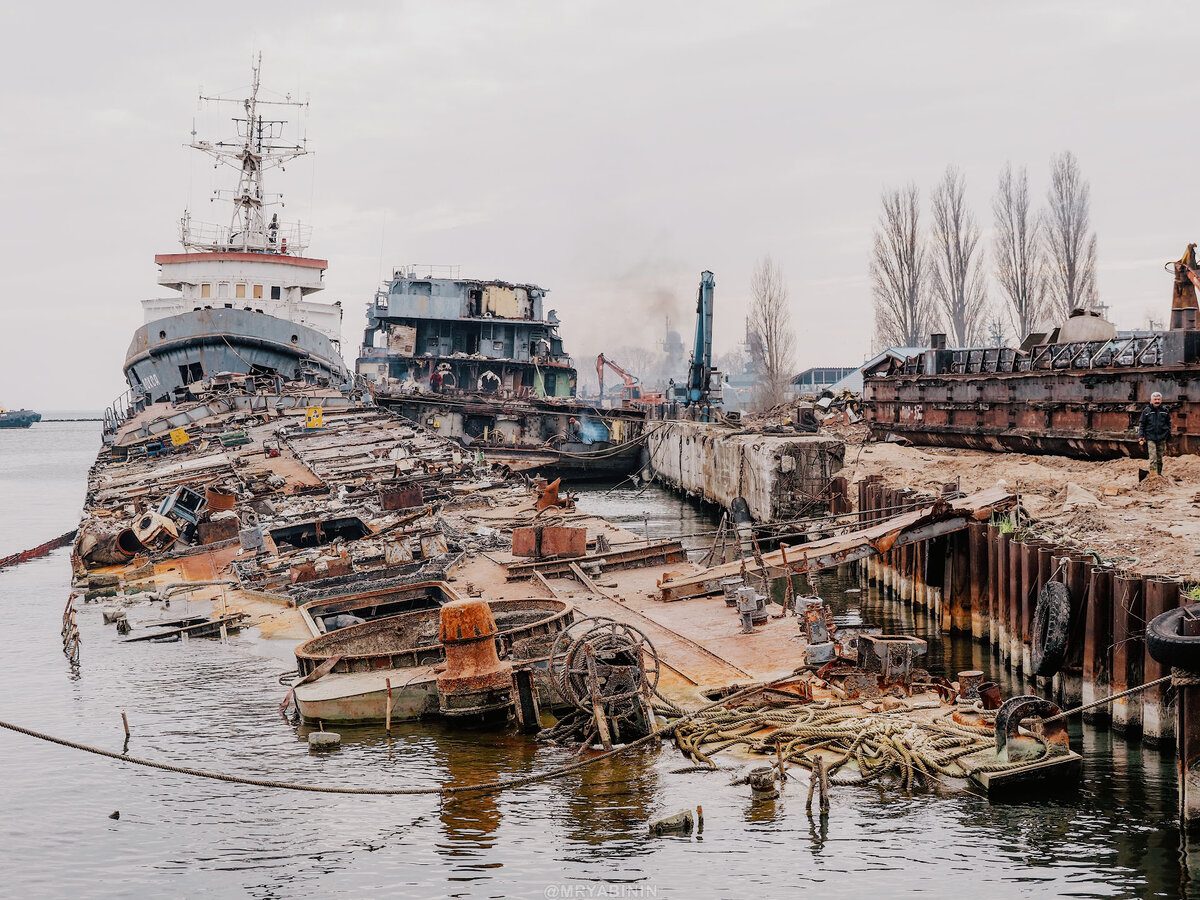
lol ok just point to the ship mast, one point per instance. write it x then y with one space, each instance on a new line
258 147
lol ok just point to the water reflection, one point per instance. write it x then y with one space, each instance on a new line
213 705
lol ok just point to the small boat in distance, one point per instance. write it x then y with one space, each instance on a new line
18 418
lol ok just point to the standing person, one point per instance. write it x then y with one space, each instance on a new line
1154 429
435 382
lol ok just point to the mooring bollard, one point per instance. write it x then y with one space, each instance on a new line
762 783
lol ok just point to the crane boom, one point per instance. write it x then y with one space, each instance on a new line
700 373
631 392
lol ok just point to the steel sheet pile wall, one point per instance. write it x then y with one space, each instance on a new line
985 582
780 476
1083 413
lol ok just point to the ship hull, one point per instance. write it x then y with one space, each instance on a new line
21 418
168 354
531 436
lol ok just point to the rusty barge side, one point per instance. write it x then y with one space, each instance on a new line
1086 414
1078 391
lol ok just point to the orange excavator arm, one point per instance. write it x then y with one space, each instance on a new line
630 380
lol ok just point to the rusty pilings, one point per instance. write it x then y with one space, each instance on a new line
905 571
1097 643
993 586
958 583
1046 554
871 502
1003 541
885 559
920 554
1187 737
1129 652
977 544
1075 577
1158 723
1028 575
1016 551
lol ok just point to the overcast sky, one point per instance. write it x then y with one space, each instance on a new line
608 151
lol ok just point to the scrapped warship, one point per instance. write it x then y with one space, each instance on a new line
243 307
482 362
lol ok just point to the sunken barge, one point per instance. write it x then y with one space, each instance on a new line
1077 391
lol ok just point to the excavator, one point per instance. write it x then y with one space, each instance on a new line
631 391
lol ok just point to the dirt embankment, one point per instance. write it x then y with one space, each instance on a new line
1102 506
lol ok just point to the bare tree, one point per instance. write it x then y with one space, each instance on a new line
898 274
642 363
1070 247
770 331
1019 253
957 280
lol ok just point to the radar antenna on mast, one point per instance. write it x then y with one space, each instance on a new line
259 146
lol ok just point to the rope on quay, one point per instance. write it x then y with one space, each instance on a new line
445 790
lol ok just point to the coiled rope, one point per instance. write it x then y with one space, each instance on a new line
878 743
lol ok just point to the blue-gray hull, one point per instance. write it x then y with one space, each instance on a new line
168 354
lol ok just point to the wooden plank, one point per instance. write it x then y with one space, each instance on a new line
828 552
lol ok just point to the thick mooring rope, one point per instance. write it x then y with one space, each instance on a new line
482 787
878 743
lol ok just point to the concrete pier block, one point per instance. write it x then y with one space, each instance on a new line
774 473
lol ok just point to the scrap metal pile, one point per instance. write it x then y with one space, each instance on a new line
291 499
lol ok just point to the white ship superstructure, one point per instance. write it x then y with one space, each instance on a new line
244 289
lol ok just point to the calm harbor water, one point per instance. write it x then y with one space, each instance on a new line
212 705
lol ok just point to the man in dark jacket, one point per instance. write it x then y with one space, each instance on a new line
1154 429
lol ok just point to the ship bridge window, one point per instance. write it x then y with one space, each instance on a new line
258 292
274 292
206 290
191 372
420 288
239 291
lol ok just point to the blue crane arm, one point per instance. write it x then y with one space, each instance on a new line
701 366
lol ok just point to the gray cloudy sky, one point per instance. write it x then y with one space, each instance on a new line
609 151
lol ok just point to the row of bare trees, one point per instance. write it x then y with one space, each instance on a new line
1044 263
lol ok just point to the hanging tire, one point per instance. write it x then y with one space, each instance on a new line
1167 646
1051 626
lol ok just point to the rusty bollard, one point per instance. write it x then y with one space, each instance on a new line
762 783
475 684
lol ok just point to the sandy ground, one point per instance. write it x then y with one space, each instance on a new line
1153 525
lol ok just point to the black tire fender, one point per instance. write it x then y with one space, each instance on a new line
1051 627
1167 646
